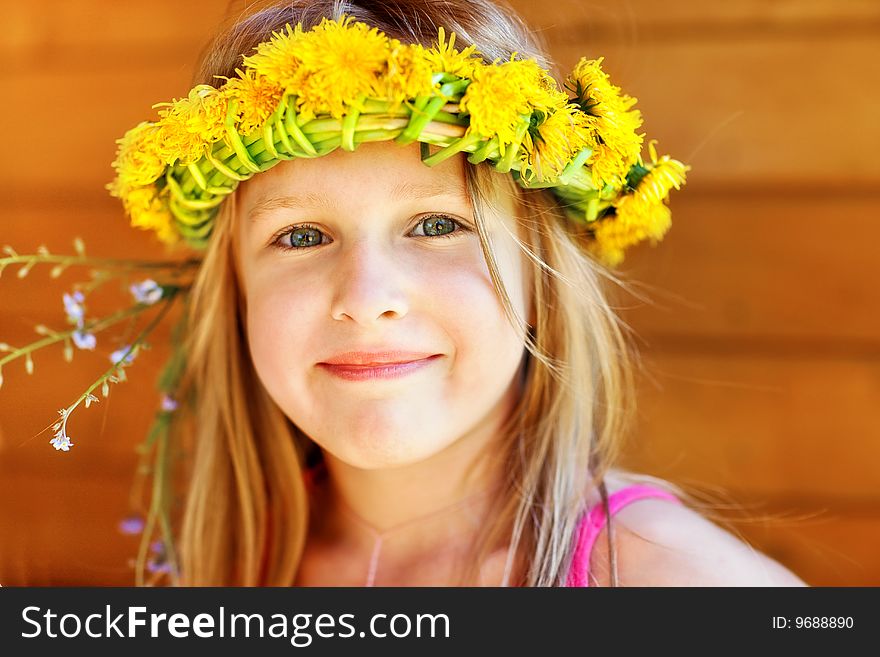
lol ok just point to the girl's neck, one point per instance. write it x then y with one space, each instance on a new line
396 530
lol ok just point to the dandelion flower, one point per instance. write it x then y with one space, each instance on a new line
149 211
553 141
497 99
641 214
258 98
137 160
443 57
616 144
340 61
277 58
409 73
189 124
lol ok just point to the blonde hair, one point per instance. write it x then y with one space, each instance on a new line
247 510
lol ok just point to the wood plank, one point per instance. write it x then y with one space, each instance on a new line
63 531
787 268
106 34
632 18
771 428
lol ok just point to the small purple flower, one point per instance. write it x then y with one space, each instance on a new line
83 339
132 524
61 441
117 356
146 292
169 404
159 562
73 307
158 566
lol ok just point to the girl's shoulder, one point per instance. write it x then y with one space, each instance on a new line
661 542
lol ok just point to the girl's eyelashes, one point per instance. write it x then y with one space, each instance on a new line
303 236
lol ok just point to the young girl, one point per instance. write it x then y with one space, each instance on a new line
403 374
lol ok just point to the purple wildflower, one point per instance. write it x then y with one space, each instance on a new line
169 404
117 356
131 524
146 292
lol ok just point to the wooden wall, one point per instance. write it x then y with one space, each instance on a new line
758 315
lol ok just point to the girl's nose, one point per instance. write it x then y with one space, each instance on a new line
368 285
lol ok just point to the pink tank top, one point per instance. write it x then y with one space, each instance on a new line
594 520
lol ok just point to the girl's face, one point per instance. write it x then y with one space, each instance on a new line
359 258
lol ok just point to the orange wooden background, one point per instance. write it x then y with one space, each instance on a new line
761 333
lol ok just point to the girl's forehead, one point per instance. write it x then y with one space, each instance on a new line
385 169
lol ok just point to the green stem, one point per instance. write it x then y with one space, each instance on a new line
65 335
100 262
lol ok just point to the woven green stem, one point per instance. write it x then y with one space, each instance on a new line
282 135
223 170
485 151
221 163
421 117
461 144
350 124
577 163
293 129
269 140
506 162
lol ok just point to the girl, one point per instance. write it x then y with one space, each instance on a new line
410 375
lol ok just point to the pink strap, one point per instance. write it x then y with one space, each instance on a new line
594 520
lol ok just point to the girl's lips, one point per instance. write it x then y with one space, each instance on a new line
379 371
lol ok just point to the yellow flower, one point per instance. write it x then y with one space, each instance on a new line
632 224
443 57
539 86
277 58
641 214
664 175
339 62
188 124
551 144
137 160
409 73
149 211
616 145
258 97
497 98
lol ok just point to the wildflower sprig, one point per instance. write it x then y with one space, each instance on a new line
54 337
62 262
121 359
305 93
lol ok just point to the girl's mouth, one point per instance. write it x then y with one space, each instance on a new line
372 372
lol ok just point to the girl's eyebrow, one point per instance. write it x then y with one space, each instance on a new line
401 191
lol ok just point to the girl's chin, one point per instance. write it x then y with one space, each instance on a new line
370 451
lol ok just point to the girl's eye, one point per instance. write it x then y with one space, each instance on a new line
305 236
437 225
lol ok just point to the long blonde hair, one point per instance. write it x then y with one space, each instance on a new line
247 510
